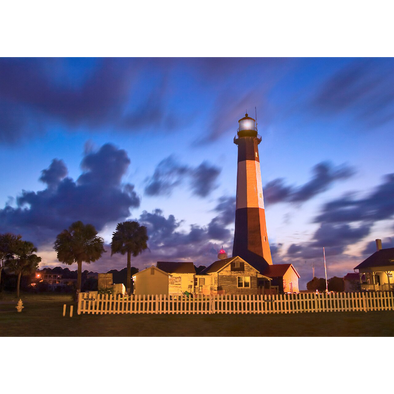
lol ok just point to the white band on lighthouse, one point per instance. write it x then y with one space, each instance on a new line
249 186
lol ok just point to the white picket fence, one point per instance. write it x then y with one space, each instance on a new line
231 303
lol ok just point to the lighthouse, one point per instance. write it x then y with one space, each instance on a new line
250 236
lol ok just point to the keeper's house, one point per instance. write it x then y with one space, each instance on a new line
233 276
376 272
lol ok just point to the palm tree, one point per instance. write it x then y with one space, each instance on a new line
129 238
79 243
24 261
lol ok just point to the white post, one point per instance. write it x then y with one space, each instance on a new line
79 303
325 268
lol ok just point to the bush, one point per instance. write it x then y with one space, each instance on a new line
316 284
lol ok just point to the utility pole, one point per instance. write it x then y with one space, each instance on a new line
325 268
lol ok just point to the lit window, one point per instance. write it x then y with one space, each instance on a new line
244 281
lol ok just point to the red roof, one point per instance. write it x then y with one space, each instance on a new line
278 270
351 277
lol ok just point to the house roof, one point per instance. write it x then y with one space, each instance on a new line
216 266
173 267
158 269
381 258
272 271
278 270
352 276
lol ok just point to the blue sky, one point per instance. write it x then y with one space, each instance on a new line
151 139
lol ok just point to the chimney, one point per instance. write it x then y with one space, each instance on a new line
378 244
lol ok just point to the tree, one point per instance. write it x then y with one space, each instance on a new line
8 243
121 276
78 244
336 284
24 261
129 238
316 284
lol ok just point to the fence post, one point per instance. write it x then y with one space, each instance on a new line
79 303
364 302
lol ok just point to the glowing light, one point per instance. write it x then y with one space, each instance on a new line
247 124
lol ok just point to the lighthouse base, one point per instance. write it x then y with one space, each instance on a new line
250 238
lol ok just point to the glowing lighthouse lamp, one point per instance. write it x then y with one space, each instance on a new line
246 125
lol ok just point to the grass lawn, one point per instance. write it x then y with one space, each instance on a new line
43 316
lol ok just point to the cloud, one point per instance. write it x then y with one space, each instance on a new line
229 107
347 221
308 250
159 228
324 175
203 179
362 88
339 235
127 94
54 174
108 165
226 216
377 205
169 174
276 191
199 244
165 231
97 197
370 247
35 87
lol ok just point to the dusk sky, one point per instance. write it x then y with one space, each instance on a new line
103 140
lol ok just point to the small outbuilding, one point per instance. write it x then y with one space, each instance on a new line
284 277
151 280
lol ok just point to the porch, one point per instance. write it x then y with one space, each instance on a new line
375 287
376 280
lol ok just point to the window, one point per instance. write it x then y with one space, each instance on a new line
243 281
152 270
237 266
202 281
